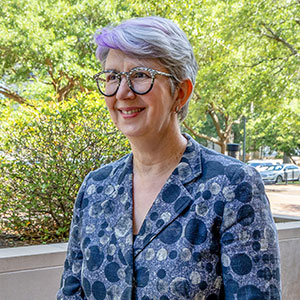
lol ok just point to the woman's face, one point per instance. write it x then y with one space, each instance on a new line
141 115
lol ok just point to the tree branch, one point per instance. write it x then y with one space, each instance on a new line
276 37
201 135
64 91
196 95
13 95
262 61
215 119
50 71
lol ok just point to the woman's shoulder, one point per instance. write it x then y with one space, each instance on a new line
107 173
213 165
208 154
212 155
111 168
236 171
211 158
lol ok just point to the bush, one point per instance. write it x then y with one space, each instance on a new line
45 152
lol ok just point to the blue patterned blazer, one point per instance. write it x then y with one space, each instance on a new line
209 235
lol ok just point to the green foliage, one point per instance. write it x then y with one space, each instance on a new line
280 131
46 150
47 47
249 64
248 56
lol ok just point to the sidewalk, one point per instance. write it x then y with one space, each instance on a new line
284 199
290 188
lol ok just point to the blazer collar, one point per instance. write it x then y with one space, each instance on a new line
164 211
189 166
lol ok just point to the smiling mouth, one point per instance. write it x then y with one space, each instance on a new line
132 111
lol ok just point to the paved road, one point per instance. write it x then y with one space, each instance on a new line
284 199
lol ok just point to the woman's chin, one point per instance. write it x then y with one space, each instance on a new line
130 132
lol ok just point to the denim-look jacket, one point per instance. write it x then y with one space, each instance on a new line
208 235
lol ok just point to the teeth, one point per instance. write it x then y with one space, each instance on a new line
129 112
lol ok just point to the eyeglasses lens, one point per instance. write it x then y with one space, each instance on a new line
140 81
108 82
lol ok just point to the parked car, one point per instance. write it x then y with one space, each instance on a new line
280 173
262 164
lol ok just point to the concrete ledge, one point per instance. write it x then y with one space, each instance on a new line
285 218
35 284
31 272
32 257
287 231
34 272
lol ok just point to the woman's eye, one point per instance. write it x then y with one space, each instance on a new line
141 75
111 77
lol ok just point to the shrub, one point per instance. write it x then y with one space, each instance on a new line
46 151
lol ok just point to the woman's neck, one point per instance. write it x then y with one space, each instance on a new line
157 156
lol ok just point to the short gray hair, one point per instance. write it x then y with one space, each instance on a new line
152 37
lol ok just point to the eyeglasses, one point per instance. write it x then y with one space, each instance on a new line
139 79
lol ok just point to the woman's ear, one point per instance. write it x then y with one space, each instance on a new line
184 90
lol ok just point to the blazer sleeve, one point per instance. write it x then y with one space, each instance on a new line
249 244
70 287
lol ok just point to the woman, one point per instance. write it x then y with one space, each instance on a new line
171 220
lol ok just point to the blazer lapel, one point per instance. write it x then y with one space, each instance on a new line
173 199
119 187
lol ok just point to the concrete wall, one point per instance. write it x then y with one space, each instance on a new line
289 243
33 273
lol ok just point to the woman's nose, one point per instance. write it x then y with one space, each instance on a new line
124 92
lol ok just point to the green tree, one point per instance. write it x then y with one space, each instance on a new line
46 150
253 65
278 130
247 53
47 47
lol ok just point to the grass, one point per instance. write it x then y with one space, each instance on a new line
289 183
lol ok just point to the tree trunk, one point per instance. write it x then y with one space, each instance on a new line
223 147
286 158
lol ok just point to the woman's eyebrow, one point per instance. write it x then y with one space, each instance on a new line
113 70
136 66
